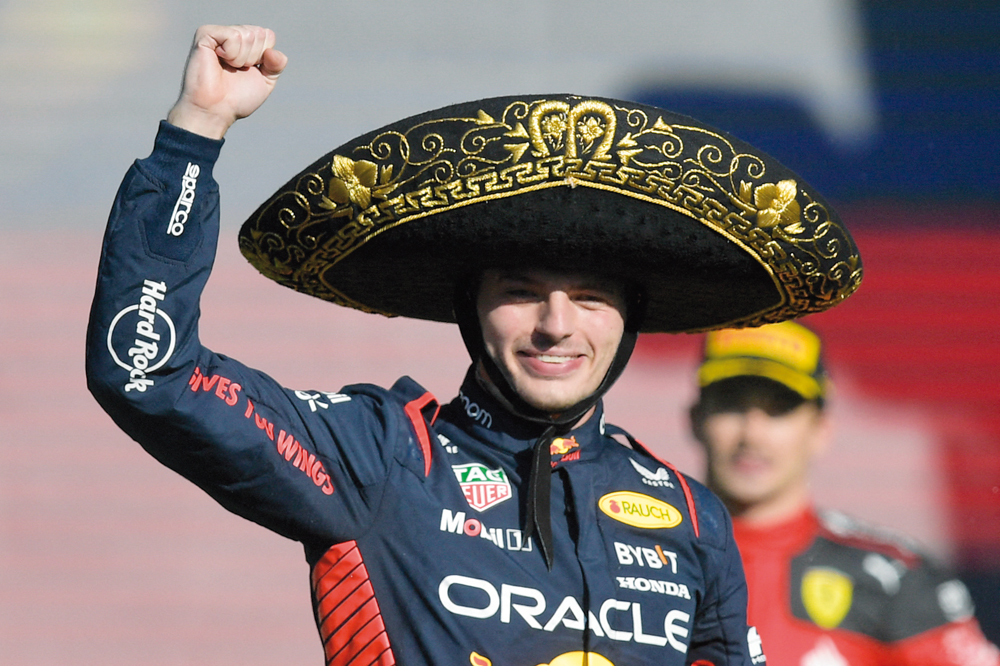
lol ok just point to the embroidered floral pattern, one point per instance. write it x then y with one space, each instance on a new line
776 205
352 181
554 130
589 131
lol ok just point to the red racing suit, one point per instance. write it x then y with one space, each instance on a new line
826 590
410 515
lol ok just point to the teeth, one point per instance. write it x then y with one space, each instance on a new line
546 358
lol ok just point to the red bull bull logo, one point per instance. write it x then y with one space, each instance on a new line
561 446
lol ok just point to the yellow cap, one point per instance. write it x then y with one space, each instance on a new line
787 353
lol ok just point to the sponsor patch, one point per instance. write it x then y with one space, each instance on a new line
579 659
225 389
564 450
560 446
182 209
954 599
666 587
888 574
640 510
475 412
654 558
827 595
569 457
658 479
316 400
614 619
483 487
447 444
288 447
141 337
756 647
507 539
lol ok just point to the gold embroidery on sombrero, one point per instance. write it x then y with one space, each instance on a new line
352 182
776 206
444 163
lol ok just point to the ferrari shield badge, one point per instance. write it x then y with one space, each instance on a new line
827 596
483 487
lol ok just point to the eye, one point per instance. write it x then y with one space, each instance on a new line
519 292
596 298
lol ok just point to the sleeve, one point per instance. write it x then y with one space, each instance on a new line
308 465
721 636
932 622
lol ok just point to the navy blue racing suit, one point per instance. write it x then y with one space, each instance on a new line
410 514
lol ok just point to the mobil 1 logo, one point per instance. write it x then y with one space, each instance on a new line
141 337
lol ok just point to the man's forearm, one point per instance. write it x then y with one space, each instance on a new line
157 254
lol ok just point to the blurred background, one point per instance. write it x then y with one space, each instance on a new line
888 107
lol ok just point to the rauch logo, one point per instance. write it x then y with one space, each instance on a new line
639 510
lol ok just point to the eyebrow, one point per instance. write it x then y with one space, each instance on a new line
584 282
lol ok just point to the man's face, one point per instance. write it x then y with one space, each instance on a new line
553 335
759 444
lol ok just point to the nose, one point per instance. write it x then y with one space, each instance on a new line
556 317
753 424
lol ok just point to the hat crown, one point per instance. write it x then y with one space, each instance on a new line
786 352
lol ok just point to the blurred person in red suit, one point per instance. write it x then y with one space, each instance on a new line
825 589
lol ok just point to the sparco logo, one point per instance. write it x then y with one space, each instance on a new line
146 334
182 209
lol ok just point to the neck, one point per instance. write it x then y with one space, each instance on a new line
768 512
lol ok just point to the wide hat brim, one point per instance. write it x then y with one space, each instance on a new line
717 233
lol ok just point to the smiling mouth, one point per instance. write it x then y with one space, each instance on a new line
750 464
550 365
549 358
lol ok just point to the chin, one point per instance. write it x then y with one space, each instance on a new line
749 497
550 406
548 401
553 395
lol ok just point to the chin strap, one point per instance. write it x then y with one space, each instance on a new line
539 516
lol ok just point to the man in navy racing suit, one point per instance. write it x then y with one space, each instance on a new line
513 525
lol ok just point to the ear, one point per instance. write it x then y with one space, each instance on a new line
696 413
822 436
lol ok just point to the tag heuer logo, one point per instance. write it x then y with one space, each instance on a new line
483 487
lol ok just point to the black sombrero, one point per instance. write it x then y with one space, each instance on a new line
717 233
